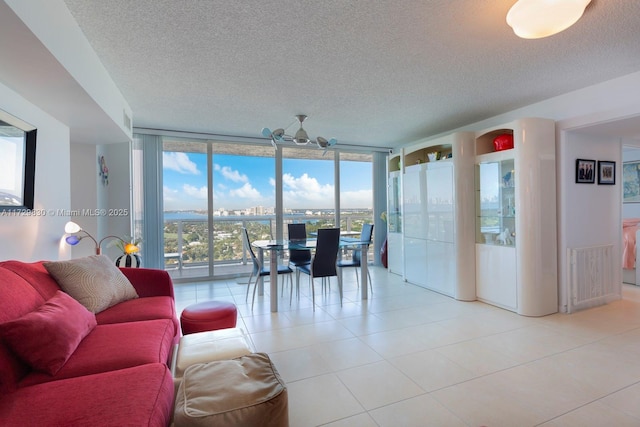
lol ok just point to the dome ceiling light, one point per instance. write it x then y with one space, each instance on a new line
534 19
300 138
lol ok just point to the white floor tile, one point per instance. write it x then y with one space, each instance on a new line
431 370
593 415
378 384
423 411
411 357
319 400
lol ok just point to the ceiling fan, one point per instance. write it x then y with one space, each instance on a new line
300 138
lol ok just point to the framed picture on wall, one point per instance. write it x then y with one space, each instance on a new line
631 182
606 172
17 163
585 171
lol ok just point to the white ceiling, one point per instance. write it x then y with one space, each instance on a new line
378 73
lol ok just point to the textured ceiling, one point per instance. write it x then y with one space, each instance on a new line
378 73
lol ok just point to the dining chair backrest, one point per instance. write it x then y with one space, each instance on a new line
367 231
297 231
324 260
247 244
365 236
297 256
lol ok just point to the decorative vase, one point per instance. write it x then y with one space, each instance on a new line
128 260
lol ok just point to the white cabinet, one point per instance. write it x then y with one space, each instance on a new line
516 263
414 209
438 213
415 261
414 201
395 249
441 272
497 285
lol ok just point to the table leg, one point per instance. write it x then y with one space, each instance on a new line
260 279
273 265
364 265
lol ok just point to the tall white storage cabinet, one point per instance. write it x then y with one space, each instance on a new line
516 262
438 200
394 215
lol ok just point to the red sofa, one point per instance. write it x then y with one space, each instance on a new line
117 375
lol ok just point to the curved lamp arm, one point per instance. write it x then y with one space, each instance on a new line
73 239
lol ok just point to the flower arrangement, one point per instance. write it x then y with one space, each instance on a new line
128 245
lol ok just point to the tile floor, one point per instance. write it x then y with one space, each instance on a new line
411 357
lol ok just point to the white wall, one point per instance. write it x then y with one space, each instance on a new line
30 237
589 214
109 201
51 63
84 195
118 200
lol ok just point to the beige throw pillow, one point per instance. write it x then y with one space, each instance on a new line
94 281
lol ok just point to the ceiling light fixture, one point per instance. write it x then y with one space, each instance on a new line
534 19
300 138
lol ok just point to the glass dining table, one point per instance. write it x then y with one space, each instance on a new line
275 246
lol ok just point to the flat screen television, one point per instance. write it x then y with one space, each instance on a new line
17 163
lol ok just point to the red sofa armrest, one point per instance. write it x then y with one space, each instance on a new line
149 282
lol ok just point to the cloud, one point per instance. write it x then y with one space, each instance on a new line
195 192
306 192
169 195
245 192
356 199
180 163
230 174
186 198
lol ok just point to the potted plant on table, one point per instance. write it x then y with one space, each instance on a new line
130 252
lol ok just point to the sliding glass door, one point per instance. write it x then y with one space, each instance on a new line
208 190
308 188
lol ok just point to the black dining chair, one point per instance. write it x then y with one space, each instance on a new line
298 231
259 270
323 263
356 255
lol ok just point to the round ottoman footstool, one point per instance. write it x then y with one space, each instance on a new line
208 316
245 391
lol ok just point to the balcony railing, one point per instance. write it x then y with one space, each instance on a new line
186 246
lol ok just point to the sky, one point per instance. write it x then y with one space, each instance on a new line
241 182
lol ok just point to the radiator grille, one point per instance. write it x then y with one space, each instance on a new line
591 271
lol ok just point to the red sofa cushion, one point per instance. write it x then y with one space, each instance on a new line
113 347
46 337
149 282
134 310
36 275
138 396
17 298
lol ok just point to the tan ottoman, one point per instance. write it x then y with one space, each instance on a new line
245 391
204 347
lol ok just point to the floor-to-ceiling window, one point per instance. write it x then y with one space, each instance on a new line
243 196
211 189
185 196
308 187
356 191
